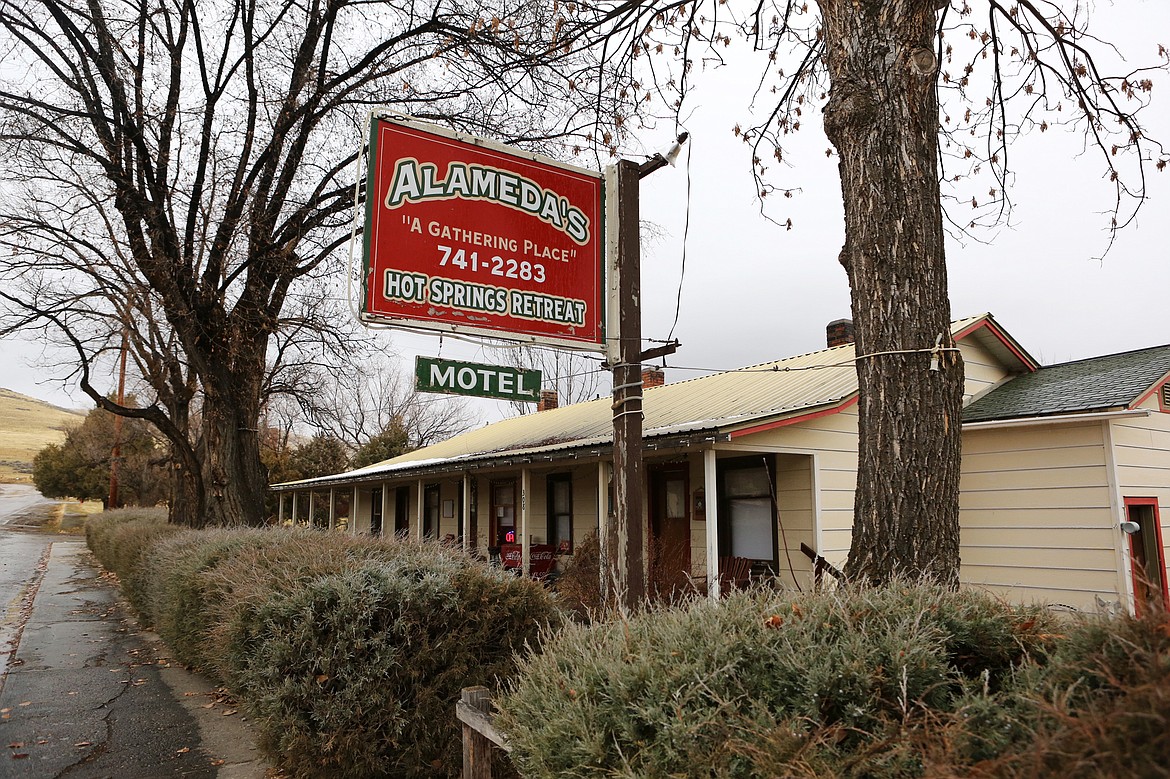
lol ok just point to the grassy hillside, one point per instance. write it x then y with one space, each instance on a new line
26 426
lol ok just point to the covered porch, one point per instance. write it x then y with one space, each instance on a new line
716 514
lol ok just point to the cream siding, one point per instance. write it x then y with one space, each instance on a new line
834 439
1141 447
981 369
698 519
797 525
1035 514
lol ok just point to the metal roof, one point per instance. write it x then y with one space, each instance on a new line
1095 384
721 402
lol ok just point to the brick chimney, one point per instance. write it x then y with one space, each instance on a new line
548 400
839 332
653 377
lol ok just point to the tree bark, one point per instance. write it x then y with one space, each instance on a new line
235 481
882 117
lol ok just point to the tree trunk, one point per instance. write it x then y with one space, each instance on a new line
235 481
882 116
186 504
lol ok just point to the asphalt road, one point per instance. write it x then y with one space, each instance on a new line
86 693
21 506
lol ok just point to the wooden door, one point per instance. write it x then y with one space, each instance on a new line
1147 555
670 531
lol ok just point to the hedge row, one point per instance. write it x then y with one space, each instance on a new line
348 652
908 681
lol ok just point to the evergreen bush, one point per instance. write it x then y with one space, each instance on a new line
765 684
1101 706
355 673
122 540
181 599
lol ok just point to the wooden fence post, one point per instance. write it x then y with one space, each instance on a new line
477 748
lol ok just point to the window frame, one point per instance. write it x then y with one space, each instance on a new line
723 516
552 527
494 540
1151 539
432 493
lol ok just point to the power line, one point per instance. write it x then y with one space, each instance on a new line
686 231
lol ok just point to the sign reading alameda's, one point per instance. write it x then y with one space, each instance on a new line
472 378
467 235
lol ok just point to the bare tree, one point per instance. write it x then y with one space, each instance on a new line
196 164
921 100
373 396
575 377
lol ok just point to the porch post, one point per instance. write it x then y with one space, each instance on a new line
332 507
466 519
603 527
710 490
312 500
294 508
526 543
421 510
280 509
353 511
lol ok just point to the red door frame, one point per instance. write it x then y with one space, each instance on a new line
1160 549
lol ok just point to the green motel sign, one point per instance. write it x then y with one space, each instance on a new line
476 379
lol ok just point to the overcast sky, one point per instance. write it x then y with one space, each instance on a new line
753 291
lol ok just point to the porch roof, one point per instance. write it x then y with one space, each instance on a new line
718 404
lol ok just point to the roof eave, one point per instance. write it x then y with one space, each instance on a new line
1004 339
488 460
1056 419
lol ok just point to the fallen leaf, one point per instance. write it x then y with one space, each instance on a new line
207 705
229 712
218 762
16 745
182 751
25 703
19 755
84 744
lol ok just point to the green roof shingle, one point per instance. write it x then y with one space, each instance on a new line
1094 384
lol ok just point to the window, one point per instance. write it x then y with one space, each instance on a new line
431 509
402 511
376 511
341 508
747 524
320 513
560 512
503 529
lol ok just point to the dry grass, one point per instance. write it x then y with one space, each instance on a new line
27 425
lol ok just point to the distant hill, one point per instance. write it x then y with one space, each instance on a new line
27 425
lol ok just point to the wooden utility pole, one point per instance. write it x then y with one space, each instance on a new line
624 541
624 572
116 453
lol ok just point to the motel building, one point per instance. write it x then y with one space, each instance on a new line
1065 476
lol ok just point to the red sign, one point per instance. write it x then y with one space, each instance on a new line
465 235
540 562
